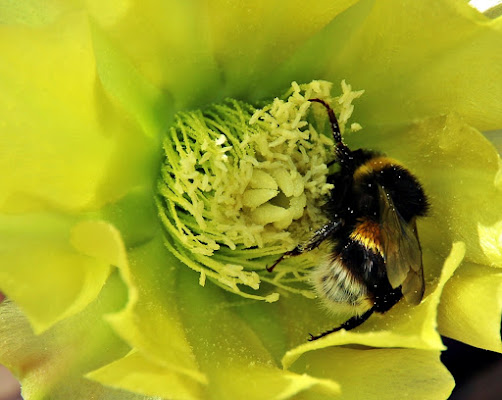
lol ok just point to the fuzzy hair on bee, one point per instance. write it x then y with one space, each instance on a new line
375 258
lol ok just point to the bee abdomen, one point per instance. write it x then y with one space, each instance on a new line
341 290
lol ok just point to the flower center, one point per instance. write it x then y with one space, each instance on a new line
240 186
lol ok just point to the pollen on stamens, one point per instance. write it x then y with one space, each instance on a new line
241 184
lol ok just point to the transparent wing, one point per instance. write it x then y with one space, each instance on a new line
403 255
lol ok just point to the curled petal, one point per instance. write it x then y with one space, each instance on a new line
57 283
50 364
471 307
381 373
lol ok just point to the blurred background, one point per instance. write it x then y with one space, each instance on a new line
9 387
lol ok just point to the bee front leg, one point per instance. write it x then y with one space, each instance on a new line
319 236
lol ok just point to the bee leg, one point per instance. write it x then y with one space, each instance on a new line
329 164
351 323
319 236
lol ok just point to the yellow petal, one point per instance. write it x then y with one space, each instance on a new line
427 61
43 273
150 322
380 373
123 82
35 13
168 44
138 374
222 333
65 145
52 364
412 60
251 41
471 307
182 330
49 115
32 12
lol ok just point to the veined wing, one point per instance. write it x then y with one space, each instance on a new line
402 252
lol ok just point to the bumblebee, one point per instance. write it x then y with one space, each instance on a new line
375 258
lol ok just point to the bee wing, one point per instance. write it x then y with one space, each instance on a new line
402 252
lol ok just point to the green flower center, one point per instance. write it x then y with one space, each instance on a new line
241 185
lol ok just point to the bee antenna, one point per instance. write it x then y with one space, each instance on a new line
332 119
343 153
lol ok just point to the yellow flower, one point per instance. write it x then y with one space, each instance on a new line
100 308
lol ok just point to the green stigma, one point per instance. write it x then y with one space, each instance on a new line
241 185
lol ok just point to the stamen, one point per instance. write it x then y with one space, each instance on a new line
240 185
